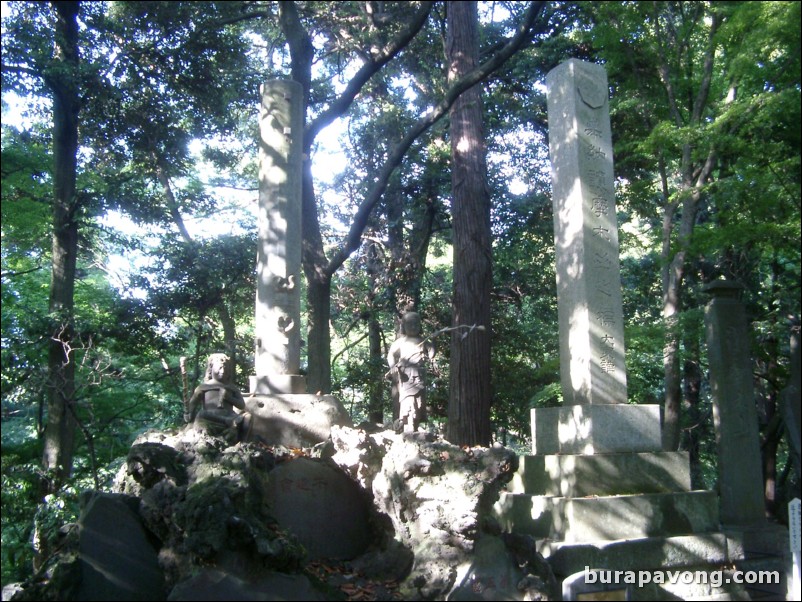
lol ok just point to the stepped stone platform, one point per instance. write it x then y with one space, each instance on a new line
584 519
627 512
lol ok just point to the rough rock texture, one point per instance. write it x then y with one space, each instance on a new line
365 516
438 497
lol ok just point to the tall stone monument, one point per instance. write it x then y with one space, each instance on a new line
586 236
282 411
278 263
596 417
598 491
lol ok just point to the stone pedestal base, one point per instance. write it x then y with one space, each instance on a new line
570 475
278 384
596 429
294 420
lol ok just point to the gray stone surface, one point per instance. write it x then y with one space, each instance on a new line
213 584
596 429
294 420
640 553
609 517
278 270
321 506
734 412
589 303
492 574
118 560
437 497
602 474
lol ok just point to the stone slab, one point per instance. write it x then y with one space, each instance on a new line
277 325
596 429
641 553
213 584
323 507
271 384
602 474
118 560
740 473
608 517
294 420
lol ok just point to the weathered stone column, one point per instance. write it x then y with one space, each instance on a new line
734 412
278 297
596 417
282 412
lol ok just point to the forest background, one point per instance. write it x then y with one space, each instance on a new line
129 146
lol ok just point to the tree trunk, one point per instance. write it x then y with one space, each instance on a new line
375 401
229 336
693 392
60 426
318 297
470 392
694 173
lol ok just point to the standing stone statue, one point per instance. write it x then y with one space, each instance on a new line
212 405
407 360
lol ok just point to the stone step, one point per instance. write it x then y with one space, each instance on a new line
693 582
608 517
602 474
700 583
764 569
646 553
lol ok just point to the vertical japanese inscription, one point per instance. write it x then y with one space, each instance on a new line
586 234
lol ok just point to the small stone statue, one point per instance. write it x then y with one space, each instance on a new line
407 360
211 407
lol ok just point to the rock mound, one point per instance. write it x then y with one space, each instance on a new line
369 516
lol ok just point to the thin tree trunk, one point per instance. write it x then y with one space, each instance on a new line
470 392
693 389
693 177
318 296
229 335
375 401
60 426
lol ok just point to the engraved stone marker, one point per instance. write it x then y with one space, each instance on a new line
278 298
586 236
596 417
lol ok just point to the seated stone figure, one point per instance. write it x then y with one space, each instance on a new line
212 406
407 360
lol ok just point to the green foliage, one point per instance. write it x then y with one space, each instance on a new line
161 80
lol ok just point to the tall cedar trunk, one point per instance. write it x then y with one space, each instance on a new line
377 370
60 427
470 394
318 296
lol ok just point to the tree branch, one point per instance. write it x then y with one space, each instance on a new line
340 105
353 239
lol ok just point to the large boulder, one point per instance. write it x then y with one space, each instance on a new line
437 497
206 502
322 507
